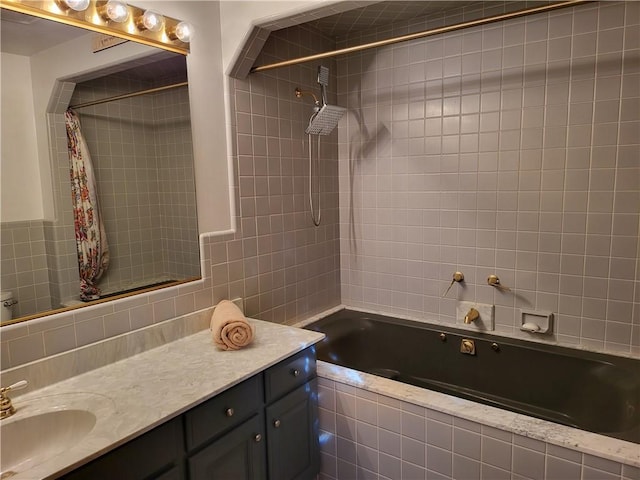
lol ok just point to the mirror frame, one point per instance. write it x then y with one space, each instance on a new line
47 313
91 20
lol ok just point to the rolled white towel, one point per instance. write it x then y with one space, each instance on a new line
229 327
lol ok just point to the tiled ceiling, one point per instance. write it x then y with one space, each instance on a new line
383 13
389 12
347 20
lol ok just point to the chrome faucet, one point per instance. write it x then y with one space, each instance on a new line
6 408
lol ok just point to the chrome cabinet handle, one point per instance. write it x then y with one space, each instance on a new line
229 412
257 438
295 372
276 424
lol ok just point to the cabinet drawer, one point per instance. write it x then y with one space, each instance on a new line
223 412
289 374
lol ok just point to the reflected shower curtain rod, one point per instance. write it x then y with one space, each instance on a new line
128 95
422 34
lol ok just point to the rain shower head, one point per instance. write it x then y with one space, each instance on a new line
325 120
326 117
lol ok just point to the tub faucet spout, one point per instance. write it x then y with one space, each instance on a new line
471 316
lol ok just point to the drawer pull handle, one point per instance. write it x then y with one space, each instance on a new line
229 412
276 424
257 438
295 372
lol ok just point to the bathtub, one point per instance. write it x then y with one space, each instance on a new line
585 390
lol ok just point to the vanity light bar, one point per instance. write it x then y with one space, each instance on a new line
96 18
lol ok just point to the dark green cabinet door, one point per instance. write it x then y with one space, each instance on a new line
292 433
149 456
237 455
176 473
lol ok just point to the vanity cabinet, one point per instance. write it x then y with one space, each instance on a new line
291 415
263 428
225 436
157 454
284 448
239 454
293 452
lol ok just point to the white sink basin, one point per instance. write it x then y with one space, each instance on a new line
39 437
44 427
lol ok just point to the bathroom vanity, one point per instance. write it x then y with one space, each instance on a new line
186 410
226 436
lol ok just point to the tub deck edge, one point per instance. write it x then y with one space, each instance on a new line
585 442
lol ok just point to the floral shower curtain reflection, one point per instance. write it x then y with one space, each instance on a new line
91 238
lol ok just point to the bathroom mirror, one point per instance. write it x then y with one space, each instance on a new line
142 157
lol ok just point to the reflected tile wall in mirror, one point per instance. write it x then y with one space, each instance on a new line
143 157
24 268
143 154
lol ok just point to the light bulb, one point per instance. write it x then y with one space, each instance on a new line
184 32
77 5
117 11
152 21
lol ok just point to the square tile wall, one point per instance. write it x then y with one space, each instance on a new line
148 205
176 179
25 268
508 149
121 143
365 435
286 268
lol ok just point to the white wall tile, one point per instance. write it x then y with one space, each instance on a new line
551 205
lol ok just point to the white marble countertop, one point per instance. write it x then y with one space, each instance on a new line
133 395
